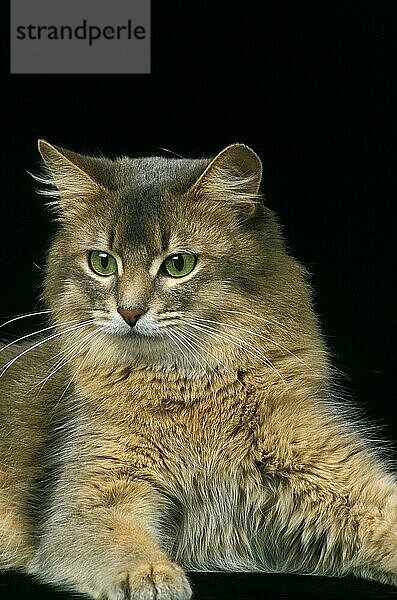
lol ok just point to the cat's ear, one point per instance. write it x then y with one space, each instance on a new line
70 176
233 177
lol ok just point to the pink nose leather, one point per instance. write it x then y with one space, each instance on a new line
130 316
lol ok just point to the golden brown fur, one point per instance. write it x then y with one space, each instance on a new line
207 437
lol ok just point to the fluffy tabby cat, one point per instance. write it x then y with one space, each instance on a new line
178 411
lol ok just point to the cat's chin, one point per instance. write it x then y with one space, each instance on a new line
148 350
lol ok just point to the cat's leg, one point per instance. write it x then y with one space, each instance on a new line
103 540
16 541
377 556
322 525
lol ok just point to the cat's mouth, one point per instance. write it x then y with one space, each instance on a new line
133 325
146 327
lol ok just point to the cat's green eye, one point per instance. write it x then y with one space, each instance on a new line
179 265
102 263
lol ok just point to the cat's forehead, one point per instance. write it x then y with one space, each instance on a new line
148 217
138 223
158 173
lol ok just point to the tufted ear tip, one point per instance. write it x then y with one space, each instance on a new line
245 160
68 176
48 151
233 177
41 144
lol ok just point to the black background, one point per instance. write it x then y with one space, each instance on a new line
311 87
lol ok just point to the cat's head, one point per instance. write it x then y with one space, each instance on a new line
167 262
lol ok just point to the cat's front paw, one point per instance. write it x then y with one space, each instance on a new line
145 581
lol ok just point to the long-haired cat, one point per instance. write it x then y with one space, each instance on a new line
178 410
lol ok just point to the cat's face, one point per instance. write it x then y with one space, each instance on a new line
154 260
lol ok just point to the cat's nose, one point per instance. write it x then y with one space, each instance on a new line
130 315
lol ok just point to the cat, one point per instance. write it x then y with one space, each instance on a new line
179 411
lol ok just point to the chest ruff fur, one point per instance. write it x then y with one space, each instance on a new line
195 444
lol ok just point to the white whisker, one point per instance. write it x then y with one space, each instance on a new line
40 343
196 338
272 322
242 344
194 349
72 352
172 335
91 337
29 335
24 316
258 335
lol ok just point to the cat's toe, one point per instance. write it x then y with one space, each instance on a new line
160 581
